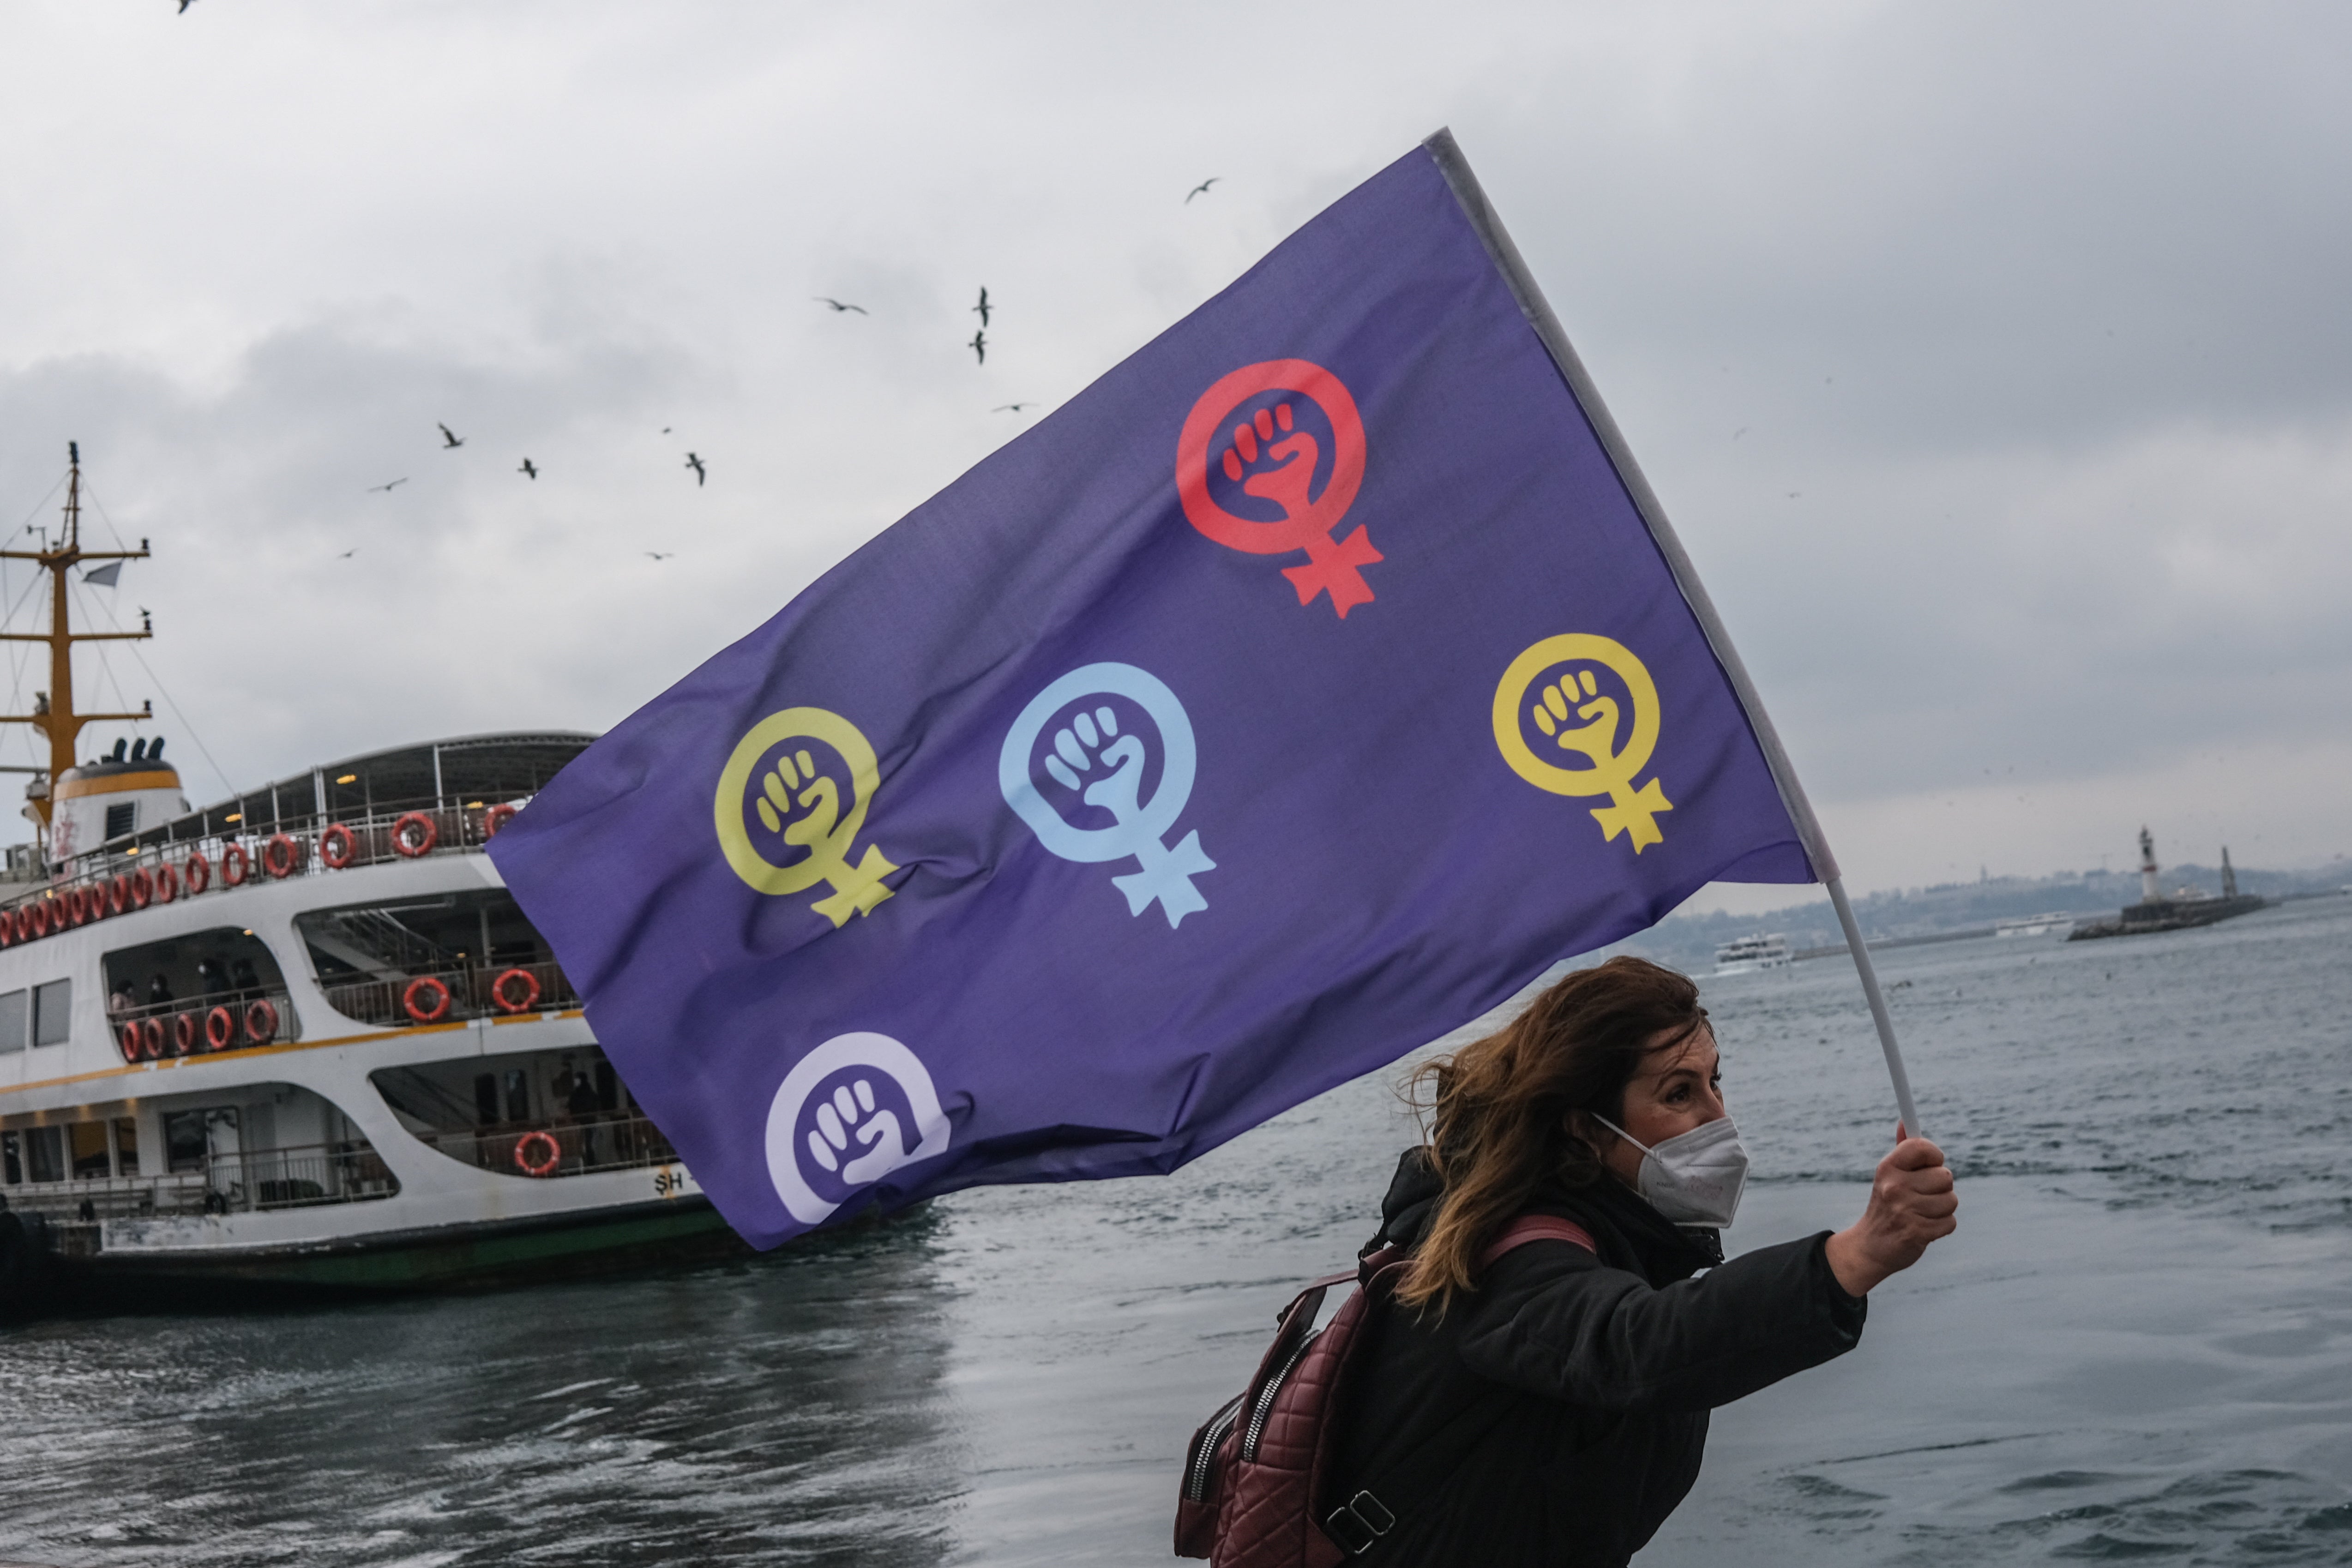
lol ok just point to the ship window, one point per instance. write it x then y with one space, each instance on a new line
367 955
45 1153
87 1141
14 1016
12 1159
183 1141
126 1146
52 1012
222 960
418 936
452 1097
122 819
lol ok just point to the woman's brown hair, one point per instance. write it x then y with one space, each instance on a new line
1495 1111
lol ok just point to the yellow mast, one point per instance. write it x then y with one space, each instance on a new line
53 710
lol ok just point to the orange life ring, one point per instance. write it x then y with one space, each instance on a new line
337 846
235 864
497 817
118 895
41 918
22 922
167 883
73 904
143 888
529 991
220 1028
529 1167
425 1014
130 1040
199 872
428 834
184 1033
150 1038
261 1022
93 901
281 855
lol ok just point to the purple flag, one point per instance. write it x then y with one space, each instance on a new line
1298 691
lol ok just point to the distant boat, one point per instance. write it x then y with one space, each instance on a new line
2035 926
1745 954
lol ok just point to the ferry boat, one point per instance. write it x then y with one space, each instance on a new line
2056 925
301 1037
1744 953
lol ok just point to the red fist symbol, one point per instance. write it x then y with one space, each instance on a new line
1274 459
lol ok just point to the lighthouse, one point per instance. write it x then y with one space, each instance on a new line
2148 890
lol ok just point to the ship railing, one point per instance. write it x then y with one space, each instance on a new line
308 845
577 1145
248 1015
451 993
260 1180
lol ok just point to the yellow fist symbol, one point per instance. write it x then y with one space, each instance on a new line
1529 695
802 806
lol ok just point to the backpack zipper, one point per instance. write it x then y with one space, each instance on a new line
1196 1479
1265 1398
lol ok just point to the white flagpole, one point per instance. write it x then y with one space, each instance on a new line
1506 256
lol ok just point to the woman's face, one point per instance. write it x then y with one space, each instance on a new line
1678 1088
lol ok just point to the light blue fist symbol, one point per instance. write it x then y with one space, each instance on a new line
1104 768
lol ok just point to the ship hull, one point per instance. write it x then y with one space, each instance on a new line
489 1256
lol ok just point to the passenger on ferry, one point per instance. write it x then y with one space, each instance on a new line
159 991
586 1107
121 1001
212 976
247 982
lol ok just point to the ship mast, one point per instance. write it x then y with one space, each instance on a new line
54 713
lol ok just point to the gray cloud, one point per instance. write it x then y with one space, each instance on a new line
2036 308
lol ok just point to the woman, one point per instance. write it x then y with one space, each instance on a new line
1551 1408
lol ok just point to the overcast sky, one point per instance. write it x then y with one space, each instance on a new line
1993 361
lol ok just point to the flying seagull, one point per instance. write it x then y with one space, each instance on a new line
1201 189
450 440
982 307
979 344
695 464
349 553
184 6
661 554
1011 407
838 306
527 469
372 489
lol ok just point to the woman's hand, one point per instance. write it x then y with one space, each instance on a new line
1911 1204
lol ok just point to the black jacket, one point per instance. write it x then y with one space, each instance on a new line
1557 1415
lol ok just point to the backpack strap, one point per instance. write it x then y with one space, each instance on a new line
1529 1227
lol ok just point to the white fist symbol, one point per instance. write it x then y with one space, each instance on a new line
845 1119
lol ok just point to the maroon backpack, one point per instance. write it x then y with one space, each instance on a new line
1257 1474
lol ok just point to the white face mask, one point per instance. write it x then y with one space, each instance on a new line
1694 1177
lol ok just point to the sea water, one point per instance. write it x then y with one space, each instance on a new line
2138 1345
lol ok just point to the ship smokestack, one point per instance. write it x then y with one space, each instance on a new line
2148 889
